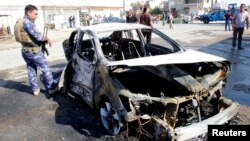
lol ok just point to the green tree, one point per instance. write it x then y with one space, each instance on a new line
155 11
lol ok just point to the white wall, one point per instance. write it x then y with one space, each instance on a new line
18 12
60 16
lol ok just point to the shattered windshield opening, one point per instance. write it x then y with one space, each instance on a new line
130 44
121 45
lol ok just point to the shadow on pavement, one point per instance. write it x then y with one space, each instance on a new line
75 112
19 86
23 85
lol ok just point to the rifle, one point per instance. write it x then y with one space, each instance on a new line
44 49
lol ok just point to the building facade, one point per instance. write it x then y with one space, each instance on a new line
56 13
193 6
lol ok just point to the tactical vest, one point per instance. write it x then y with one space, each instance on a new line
21 35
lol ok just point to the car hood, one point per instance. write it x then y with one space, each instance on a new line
186 57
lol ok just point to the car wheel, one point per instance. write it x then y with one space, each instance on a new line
206 21
110 118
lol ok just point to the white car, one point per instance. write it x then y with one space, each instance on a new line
117 72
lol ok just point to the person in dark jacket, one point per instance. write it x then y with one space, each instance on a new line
227 20
131 18
146 19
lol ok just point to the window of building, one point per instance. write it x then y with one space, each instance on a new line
190 1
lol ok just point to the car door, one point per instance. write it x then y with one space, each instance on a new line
83 64
69 45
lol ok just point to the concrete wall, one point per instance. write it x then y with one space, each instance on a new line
15 12
59 16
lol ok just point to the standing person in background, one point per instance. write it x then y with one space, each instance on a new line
192 18
31 39
146 19
105 18
246 9
163 18
73 21
181 15
88 18
131 18
167 17
171 18
70 21
84 20
240 18
227 20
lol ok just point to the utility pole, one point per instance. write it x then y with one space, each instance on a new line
212 5
169 6
123 6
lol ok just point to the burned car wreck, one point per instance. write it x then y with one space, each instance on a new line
177 91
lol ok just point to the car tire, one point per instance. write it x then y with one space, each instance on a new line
205 21
110 118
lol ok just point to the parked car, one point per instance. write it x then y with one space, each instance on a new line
197 17
214 16
177 19
115 71
185 19
110 20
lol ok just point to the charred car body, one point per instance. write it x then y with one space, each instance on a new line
115 71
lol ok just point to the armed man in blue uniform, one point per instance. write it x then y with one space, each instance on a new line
31 39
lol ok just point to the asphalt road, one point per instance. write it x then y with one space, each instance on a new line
24 117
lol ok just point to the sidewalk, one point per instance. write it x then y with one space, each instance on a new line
54 35
10 50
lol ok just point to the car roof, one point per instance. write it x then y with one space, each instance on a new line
104 27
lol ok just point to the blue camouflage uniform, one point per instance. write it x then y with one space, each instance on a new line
34 60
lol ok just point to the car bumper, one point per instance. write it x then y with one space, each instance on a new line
196 129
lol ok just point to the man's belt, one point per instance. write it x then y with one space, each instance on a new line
33 50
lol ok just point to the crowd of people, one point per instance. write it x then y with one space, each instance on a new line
239 20
233 21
